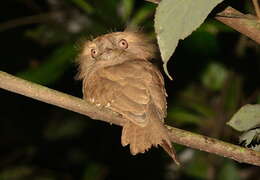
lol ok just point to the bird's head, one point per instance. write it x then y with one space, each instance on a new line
114 48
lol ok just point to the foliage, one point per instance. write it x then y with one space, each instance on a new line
246 118
214 69
176 19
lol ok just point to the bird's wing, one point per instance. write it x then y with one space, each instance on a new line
128 88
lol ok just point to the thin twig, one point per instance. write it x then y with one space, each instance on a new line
257 8
75 104
248 25
27 20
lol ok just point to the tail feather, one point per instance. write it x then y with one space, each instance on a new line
135 136
170 151
141 139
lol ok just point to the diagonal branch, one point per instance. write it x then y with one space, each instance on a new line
50 96
248 25
257 8
41 93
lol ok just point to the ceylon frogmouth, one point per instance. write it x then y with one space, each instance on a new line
117 75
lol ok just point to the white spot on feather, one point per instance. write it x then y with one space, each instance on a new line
108 105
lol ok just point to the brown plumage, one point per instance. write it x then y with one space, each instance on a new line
117 75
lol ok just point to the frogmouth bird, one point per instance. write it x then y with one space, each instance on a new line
117 75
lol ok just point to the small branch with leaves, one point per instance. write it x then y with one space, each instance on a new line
246 24
193 140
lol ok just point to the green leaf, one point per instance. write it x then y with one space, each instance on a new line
141 15
126 8
214 76
176 19
251 139
246 118
52 68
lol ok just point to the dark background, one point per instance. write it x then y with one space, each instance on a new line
215 71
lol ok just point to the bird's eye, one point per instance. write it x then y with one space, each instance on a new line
123 44
93 53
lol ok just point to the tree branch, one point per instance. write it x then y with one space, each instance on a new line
215 146
41 93
257 8
50 96
248 25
